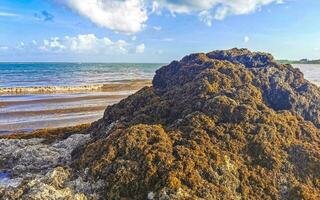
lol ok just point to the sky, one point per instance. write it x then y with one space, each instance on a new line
156 31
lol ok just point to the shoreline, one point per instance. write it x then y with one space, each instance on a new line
61 100
105 87
48 133
30 109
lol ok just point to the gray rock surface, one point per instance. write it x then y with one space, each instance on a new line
23 156
36 172
56 184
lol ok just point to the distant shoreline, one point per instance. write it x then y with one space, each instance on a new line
303 61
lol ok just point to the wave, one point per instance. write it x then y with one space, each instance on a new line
49 89
129 85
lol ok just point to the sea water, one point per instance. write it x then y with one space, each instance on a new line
71 74
310 71
27 111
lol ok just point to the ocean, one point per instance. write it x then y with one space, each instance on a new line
311 72
47 95
71 74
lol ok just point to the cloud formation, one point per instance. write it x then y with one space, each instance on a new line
3 48
130 16
209 10
223 7
140 48
7 14
118 15
157 28
89 44
246 39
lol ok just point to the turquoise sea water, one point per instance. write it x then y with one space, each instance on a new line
71 74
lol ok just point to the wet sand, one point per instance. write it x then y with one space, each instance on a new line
65 99
27 110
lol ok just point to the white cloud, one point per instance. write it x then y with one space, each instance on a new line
157 28
232 6
127 16
87 44
156 8
134 38
209 10
140 48
206 17
54 44
3 48
7 14
167 39
20 45
246 39
130 16
160 52
83 44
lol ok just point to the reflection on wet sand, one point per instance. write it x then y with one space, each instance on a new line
47 109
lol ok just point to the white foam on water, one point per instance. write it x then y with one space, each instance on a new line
311 72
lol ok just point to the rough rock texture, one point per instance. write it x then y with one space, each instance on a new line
34 172
57 184
21 156
222 125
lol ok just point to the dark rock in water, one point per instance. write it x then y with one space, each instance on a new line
223 125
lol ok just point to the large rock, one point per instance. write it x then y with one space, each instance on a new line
32 170
22 156
222 125
56 184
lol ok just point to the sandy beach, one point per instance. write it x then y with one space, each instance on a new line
28 108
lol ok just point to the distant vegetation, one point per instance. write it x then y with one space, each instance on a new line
302 61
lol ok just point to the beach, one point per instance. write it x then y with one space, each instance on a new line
159 100
31 99
30 103
24 111
205 128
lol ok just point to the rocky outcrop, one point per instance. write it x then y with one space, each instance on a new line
223 125
56 184
33 169
22 156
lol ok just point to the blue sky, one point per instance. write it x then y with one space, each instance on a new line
155 31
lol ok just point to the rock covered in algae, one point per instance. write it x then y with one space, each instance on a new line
223 125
